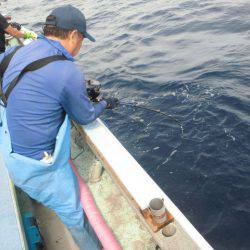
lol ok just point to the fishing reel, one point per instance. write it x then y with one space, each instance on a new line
93 90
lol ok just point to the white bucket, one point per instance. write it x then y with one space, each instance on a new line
158 210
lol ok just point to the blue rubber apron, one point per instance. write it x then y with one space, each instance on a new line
54 185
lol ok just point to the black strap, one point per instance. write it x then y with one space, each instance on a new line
31 67
6 61
3 66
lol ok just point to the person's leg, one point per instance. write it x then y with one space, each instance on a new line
84 236
61 193
68 207
88 228
82 232
78 225
85 240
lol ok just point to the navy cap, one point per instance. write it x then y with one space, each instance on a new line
69 18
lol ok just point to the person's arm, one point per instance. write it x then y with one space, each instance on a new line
4 25
14 32
75 101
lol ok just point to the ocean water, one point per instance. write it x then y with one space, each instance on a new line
192 60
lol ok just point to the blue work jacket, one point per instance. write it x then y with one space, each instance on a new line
37 105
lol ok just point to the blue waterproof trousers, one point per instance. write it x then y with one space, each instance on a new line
54 185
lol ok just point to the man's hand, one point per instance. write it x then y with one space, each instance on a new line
13 32
112 102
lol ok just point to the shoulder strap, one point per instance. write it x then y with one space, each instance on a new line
3 66
31 67
6 61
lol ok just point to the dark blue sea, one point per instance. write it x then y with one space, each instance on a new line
190 59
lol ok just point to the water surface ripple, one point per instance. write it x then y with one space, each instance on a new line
188 58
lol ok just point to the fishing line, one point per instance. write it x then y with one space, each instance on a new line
135 105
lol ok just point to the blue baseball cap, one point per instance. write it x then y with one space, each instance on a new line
69 18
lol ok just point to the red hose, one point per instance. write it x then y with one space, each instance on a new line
103 232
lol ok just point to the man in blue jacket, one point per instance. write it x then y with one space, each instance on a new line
35 112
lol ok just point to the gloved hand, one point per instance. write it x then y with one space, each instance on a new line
28 35
112 102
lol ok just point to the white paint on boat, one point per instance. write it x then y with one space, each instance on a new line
11 229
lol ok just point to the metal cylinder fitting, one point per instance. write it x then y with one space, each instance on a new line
158 210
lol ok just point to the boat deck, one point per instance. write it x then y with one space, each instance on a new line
114 207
